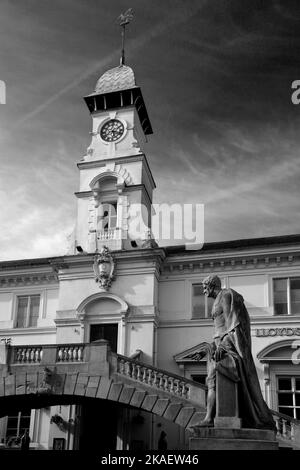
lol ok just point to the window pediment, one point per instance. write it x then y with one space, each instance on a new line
280 351
102 303
194 354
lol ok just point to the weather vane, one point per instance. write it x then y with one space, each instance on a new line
123 20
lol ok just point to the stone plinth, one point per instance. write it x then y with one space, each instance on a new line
232 439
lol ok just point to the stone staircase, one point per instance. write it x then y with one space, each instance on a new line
168 395
93 370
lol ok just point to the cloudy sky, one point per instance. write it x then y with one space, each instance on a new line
216 78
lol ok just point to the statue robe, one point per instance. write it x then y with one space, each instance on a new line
235 337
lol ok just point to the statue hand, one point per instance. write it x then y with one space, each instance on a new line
219 353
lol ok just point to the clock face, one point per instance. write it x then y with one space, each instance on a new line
112 130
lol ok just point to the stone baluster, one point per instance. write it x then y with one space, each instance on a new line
166 383
138 375
65 355
24 355
133 370
154 382
27 354
171 385
150 377
128 368
276 419
33 359
121 365
75 354
18 355
21 355
80 353
284 428
70 353
177 388
61 350
292 431
36 356
161 381
144 378
60 355
185 390
41 352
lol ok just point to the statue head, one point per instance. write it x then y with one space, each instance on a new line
211 285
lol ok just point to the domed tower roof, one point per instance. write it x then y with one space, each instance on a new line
118 78
116 88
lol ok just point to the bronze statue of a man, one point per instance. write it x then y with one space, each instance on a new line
232 337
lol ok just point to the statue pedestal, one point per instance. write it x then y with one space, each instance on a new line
232 439
227 432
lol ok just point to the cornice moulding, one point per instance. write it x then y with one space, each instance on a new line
185 323
125 159
233 253
287 320
231 263
28 331
27 279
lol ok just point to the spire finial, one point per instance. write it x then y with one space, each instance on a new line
123 20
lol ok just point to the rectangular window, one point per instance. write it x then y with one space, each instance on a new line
288 393
28 307
286 296
295 295
201 305
109 215
16 425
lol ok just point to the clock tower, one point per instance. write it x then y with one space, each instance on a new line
116 184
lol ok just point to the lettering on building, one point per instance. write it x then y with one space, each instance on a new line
277 332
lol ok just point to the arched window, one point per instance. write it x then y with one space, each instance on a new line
282 375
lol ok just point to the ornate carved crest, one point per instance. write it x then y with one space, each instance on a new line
104 267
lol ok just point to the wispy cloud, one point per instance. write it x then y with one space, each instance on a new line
216 82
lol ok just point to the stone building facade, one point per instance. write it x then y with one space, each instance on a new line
116 283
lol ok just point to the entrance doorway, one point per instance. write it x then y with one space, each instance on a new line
108 331
98 429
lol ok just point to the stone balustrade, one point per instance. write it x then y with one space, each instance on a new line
288 429
70 353
27 354
162 380
109 234
34 354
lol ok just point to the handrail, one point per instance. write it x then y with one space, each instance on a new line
53 345
286 417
